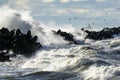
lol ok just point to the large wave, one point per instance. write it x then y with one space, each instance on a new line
93 60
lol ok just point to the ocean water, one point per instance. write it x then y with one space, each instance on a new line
89 60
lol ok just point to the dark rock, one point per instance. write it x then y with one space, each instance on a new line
4 57
25 44
66 36
105 33
19 43
5 39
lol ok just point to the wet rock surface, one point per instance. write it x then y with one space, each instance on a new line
18 42
105 33
66 36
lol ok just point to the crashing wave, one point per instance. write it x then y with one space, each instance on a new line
89 59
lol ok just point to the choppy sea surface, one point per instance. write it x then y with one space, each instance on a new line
89 60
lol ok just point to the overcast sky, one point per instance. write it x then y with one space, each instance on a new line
79 13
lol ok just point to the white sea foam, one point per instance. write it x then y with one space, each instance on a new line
13 19
93 60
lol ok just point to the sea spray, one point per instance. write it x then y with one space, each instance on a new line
90 61
12 19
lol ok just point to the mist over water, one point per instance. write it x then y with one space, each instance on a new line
12 19
90 60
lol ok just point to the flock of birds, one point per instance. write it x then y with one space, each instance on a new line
92 23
